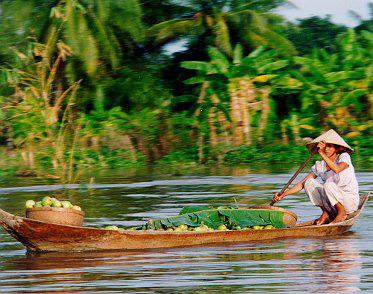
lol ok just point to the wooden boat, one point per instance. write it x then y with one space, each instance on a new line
41 236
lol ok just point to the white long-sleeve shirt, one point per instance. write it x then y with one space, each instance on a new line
346 179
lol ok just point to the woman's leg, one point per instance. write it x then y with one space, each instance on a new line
341 215
323 218
317 196
338 200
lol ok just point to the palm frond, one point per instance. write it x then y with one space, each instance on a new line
278 42
256 40
168 30
108 43
127 15
222 38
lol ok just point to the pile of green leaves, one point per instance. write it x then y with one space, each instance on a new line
213 217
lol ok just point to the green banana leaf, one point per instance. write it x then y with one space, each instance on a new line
254 217
190 209
215 217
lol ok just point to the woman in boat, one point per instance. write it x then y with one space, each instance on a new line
338 194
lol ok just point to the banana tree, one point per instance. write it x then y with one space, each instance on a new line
295 125
336 86
239 88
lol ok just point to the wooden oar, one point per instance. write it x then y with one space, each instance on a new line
313 151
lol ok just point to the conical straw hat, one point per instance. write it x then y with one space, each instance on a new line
332 137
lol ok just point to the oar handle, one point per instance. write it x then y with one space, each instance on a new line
313 151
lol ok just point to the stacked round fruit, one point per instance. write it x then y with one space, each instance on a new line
186 228
113 228
204 228
51 202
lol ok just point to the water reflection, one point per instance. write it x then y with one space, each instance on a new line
341 263
321 265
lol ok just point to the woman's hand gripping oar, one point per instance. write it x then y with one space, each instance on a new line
277 196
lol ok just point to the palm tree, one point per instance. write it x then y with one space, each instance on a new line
98 32
249 22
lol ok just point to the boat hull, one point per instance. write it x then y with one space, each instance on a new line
40 236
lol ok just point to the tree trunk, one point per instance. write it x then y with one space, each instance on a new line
248 96
200 147
130 145
242 93
218 117
295 128
236 115
201 98
225 128
265 112
212 127
95 142
284 136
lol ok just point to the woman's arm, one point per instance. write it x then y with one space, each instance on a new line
295 189
336 167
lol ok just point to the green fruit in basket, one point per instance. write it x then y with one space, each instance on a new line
269 227
66 204
170 230
56 203
76 207
46 201
114 228
38 204
29 203
177 229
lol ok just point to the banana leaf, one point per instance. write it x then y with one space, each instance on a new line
254 217
215 217
190 209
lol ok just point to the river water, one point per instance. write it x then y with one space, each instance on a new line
324 265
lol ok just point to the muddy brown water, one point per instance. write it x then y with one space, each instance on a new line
325 265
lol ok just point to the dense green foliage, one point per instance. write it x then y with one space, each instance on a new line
313 32
92 83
